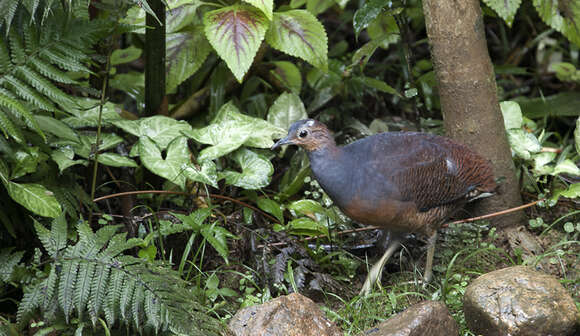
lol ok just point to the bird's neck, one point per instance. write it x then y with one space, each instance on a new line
330 170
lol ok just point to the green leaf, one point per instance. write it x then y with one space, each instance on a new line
217 237
562 15
577 135
63 156
573 191
116 160
272 207
186 53
541 161
385 29
318 6
506 9
87 114
162 130
288 75
307 207
130 54
207 173
367 13
266 6
236 32
306 227
256 170
300 34
379 85
286 110
567 167
56 127
170 168
34 197
563 104
512 114
230 129
523 143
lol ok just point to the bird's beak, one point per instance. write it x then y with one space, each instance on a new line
283 141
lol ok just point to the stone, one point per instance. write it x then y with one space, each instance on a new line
427 318
290 315
519 301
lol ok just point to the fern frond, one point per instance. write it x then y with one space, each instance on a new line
50 289
152 311
62 61
49 71
99 285
31 300
17 52
8 127
137 306
27 93
8 261
44 86
8 10
126 296
67 282
83 286
111 307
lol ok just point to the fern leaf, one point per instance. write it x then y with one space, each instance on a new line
99 286
62 61
114 294
30 301
45 238
137 305
44 86
17 52
50 289
8 261
5 63
83 286
67 281
126 297
28 94
152 311
8 9
8 127
49 71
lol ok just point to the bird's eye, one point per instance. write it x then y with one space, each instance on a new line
303 133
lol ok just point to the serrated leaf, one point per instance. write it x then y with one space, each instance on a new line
170 168
505 9
300 34
287 109
266 6
256 170
230 129
288 75
562 15
186 53
236 32
512 114
34 197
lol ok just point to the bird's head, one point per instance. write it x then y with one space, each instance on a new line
308 134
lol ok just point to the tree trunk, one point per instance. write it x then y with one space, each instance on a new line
468 92
155 100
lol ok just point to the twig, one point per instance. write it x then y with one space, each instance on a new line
139 192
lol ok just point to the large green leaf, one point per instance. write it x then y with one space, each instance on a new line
256 170
299 33
170 168
562 15
87 114
230 129
563 104
266 6
56 127
288 75
34 197
506 9
512 114
286 110
206 173
163 130
367 13
186 52
236 33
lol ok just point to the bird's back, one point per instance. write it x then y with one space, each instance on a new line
406 181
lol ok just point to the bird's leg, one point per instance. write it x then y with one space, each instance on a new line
377 270
430 253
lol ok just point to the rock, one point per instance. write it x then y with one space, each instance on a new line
428 318
519 301
291 315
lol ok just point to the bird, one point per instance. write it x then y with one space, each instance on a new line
402 182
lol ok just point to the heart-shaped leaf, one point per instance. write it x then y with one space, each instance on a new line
300 34
163 130
207 173
505 9
256 170
236 32
170 168
230 129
